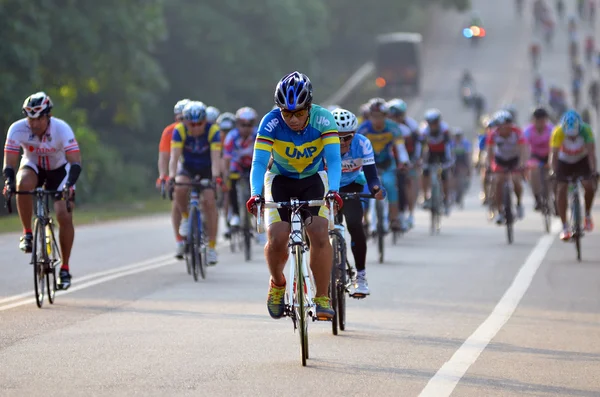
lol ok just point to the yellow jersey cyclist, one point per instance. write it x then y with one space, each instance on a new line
388 146
51 156
300 136
573 154
237 155
358 170
196 151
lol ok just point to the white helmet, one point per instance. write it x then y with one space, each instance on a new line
226 121
178 108
246 113
212 114
346 120
37 105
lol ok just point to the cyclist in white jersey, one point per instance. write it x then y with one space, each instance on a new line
51 156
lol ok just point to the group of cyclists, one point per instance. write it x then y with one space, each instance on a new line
541 150
302 150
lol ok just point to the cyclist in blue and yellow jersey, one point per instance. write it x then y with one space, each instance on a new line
574 154
299 136
414 145
196 151
390 153
358 170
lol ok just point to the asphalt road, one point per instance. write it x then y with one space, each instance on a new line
462 313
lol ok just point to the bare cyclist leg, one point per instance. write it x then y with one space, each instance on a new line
27 180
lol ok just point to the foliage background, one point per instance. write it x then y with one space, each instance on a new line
115 68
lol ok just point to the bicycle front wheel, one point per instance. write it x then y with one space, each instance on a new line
38 258
380 230
301 306
333 281
193 243
577 224
247 238
508 214
55 260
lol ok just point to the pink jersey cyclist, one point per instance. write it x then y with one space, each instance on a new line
539 142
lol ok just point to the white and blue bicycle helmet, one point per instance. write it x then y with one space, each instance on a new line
571 123
194 111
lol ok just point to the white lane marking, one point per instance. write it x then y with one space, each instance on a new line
443 383
92 283
95 275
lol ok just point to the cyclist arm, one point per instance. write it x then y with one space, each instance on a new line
591 148
400 148
214 137
489 143
555 143
164 150
263 147
176 151
11 157
72 154
333 157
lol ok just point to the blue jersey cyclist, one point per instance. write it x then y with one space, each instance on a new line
196 152
388 146
300 137
358 170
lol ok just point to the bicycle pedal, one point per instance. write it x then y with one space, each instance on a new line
322 318
358 296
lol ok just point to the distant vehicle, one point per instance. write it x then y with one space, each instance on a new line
398 63
474 30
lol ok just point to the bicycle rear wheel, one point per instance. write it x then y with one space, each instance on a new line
301 306
55 260
38 257
508 213
341 284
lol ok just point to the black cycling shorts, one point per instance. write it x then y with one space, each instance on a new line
281 188
578 169
54 179
202 173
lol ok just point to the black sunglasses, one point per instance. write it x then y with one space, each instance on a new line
346 138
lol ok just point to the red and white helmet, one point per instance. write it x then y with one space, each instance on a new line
246 113
37 105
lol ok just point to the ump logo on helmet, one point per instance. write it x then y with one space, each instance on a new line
294 92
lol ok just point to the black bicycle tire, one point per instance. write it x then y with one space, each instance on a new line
380 231
202 250
545 201
508 215
38 288
192 243
247 238
333 282
51 273
302 323
341 309
577 223
435 210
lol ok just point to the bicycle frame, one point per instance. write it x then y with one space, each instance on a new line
297 246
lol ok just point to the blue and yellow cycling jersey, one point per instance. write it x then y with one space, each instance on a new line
382 141
360 154
196 150
297 154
